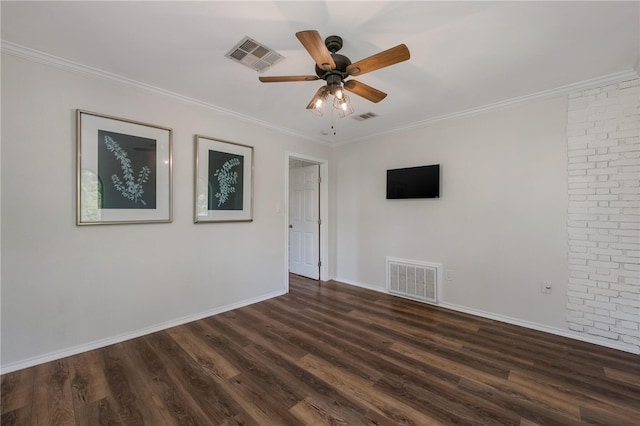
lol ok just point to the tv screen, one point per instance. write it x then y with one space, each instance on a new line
414 182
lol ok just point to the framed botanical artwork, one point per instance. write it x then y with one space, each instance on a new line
223 181
124 171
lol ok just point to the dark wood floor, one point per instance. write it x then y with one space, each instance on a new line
332 354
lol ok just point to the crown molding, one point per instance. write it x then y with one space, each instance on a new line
562 90
40 57
65 64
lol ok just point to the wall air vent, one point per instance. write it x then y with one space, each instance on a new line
366 116
254 55
414 279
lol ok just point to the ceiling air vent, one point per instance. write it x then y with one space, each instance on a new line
363 117
254 55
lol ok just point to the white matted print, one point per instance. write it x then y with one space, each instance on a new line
223 181
124 171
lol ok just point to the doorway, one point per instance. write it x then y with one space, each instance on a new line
306 217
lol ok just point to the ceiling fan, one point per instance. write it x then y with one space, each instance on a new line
334 68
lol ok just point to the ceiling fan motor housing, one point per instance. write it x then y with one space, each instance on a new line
341 61
334 43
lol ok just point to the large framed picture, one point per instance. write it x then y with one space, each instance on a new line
223 181
124 171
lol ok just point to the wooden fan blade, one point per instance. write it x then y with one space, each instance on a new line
364 90
380 60
314 44
285 78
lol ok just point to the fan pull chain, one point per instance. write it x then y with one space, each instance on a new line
333 128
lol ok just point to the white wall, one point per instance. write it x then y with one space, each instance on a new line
499 226
64 287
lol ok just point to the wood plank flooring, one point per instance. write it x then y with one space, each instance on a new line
337 355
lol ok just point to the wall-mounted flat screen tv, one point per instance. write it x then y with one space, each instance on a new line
414 182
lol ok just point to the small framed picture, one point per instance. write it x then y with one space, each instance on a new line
124 171
223 181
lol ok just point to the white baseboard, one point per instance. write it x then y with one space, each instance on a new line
514 321
541 327
96 344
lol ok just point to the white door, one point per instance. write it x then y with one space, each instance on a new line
304 212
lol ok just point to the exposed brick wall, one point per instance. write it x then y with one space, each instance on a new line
603 296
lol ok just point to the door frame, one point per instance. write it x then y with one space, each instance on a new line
324 213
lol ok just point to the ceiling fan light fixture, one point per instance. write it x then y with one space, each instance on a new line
343 105
335 88
318 107
318 102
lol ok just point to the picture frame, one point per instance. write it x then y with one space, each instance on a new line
124 171
223 187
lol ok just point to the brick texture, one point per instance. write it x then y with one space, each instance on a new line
603 139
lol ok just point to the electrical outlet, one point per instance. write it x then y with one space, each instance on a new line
545 287
448 275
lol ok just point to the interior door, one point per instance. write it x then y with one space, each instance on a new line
304 215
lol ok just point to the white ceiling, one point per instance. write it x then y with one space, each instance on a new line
464 55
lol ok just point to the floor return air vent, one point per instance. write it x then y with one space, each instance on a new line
414 279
